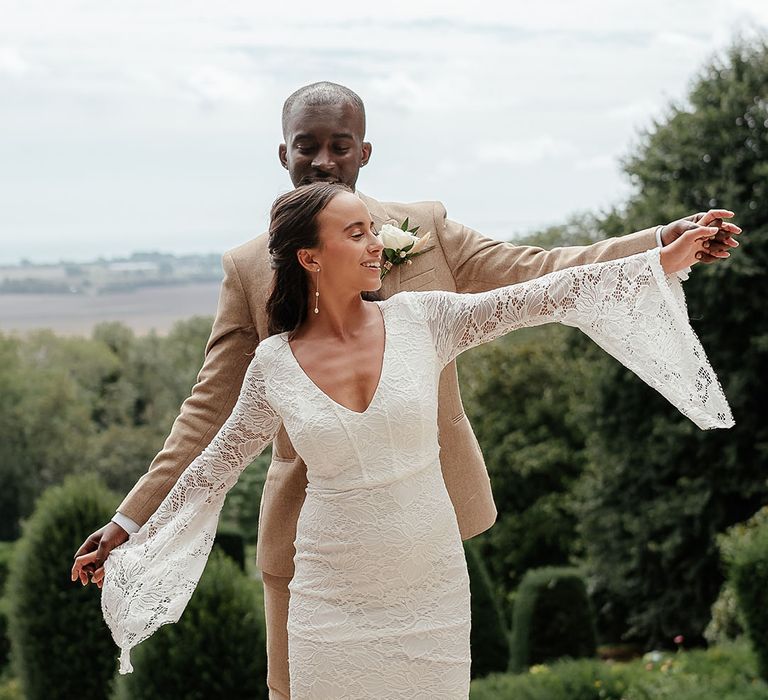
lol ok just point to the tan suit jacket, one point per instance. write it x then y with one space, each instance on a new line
462 260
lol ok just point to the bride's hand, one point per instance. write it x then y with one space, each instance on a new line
82 567
687 250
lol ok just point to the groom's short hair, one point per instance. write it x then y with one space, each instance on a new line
322 93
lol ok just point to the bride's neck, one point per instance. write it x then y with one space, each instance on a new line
339 315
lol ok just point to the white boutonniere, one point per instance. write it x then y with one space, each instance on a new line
401 245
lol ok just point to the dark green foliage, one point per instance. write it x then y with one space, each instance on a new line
722 673
241 509
745 550
565 680
232 544
61 645
658 489
553 618
76 405
727 623
5 642
6 554
217 650
525 395
489 638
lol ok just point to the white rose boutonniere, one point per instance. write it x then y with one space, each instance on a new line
401 245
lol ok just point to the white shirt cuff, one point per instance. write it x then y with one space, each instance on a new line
125 522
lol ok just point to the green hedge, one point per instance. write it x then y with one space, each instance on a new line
61 645
5 642
553 618
489 638
721 673
745 550
217 650
232 543
6 554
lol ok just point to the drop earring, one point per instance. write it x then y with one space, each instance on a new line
317 289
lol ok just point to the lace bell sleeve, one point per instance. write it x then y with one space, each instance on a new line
150 578
630 307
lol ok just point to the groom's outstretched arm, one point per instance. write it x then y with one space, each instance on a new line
479 263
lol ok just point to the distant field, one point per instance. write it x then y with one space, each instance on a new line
143 310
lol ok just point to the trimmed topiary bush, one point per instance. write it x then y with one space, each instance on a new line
722 673
552 618
727 623
5 642
745 550
489 637
6 553
232 543
216 651
61 645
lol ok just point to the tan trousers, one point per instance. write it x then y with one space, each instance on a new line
276 597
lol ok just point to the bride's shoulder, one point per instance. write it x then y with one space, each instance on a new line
414 303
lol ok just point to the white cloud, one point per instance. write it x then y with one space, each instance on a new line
524 151
213 85
12 63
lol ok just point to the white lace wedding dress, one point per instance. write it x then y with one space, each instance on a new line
379 603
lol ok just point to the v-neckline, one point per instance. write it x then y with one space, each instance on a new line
380 306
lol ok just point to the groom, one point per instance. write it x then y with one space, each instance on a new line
324 132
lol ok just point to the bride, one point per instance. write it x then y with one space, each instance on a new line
379 604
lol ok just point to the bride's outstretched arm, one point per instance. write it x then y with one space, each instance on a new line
150 578
634 308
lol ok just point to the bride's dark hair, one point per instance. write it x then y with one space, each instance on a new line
292 226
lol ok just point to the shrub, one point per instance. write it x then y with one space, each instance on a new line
10 690
727 623
61 645
216 650
489 637
722 673
6 554
552 618
232 543
565 680
5 643
745 549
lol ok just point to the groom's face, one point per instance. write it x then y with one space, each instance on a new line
324 143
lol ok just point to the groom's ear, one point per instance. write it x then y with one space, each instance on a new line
367 148
282 154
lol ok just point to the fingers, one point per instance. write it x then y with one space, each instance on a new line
716 247
98 577
79 569
701 233
89 545
713 214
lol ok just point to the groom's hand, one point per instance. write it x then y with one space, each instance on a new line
717 247
90 558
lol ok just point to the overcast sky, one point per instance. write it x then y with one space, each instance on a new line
154 125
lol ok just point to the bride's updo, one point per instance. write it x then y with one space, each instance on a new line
292 226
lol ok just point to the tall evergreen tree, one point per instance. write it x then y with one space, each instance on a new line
659 489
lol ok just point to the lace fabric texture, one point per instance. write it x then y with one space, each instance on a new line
379 603
150 578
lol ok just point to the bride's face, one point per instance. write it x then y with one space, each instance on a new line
349 250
